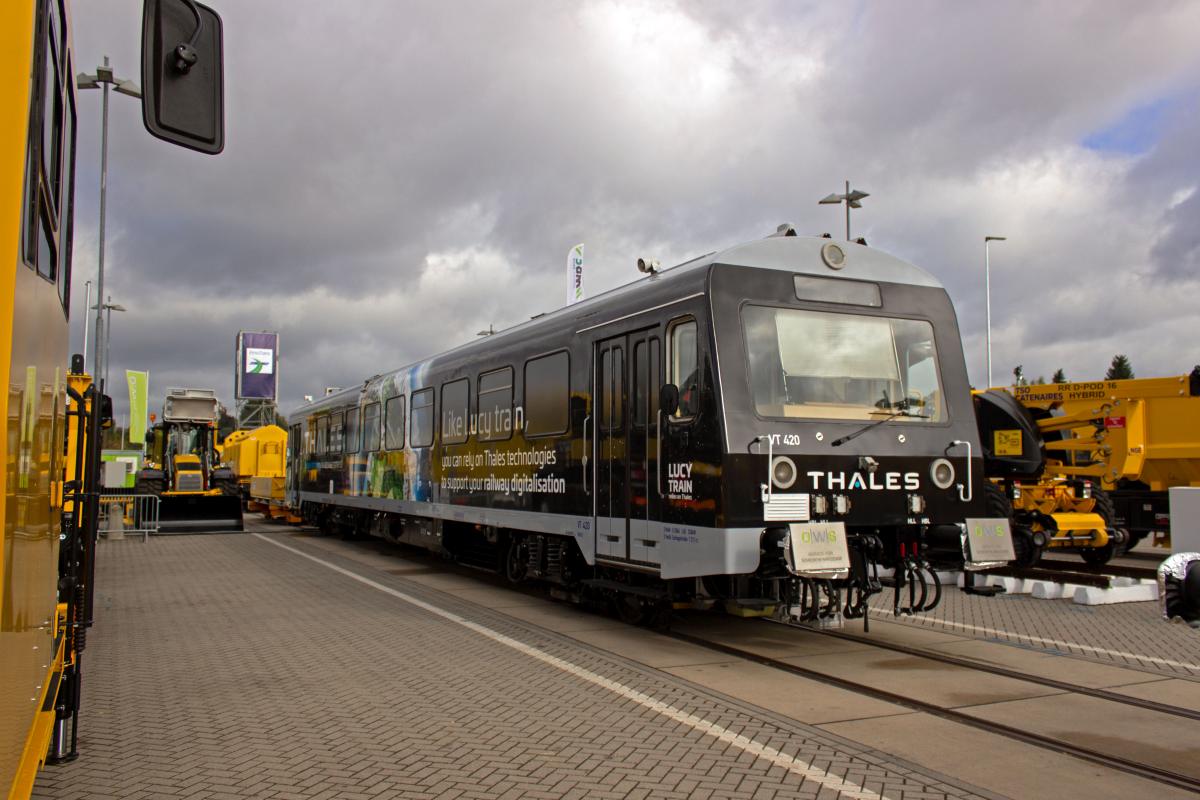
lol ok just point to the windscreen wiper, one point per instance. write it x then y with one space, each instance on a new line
902 410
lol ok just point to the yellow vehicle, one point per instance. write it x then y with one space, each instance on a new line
1134 438
183 468
1086 466
37 153
1047 510
257 458
50 455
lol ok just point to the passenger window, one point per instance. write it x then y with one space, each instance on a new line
371 427
336 430
322 435
66 218
495 405
547 394
52 113
422 418
455 412
47 258
351 436
393 425
684 367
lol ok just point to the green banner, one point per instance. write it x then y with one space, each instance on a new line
139 389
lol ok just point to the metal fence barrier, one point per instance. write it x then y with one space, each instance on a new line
123 513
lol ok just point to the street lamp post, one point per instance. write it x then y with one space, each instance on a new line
987 293
104 76
110 307
87 309
851 199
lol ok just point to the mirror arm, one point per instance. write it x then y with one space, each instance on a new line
185 52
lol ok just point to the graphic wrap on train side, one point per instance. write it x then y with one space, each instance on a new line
673 441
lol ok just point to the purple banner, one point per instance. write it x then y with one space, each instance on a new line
257 366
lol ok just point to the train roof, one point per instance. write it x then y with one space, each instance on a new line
791 253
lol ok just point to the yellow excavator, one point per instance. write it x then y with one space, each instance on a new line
183 468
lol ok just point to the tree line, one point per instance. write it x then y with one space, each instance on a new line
1120 369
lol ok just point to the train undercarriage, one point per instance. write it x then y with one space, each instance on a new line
906 562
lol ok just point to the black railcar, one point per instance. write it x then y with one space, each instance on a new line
764 427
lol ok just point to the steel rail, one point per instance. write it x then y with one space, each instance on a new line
1052 683
1116 570
1120 763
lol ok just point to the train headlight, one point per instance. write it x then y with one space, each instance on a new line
783 472
941 472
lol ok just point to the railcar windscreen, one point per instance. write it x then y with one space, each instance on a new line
823 365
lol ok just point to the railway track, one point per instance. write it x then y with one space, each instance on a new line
1077 573
1112 760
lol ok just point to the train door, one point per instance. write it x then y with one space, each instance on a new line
628 372
295 465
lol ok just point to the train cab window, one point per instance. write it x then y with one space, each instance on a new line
371 427
824 365
393 425
547 394
495 405
422 418
455 411
684 367
336 432
351 435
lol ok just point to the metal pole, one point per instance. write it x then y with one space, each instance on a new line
87 310
107 336
100 264
848 211
987 294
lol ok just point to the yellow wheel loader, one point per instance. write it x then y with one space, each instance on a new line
183 468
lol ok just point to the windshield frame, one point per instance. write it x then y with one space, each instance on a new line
919 416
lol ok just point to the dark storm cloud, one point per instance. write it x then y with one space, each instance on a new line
397 177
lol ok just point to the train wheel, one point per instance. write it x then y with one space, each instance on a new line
1099 556
1108 510
629 609
998 505
1028 553
516 561
659 617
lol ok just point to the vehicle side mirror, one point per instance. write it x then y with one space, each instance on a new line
106 411
668 399
183 94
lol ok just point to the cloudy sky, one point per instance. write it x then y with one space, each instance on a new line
399 176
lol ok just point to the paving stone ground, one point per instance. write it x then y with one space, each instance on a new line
1130 635
222 666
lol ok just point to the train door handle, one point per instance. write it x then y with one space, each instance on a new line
965 497
585 454
658 454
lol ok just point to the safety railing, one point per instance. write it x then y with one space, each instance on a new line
123 513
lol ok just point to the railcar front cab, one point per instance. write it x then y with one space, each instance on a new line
849 427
